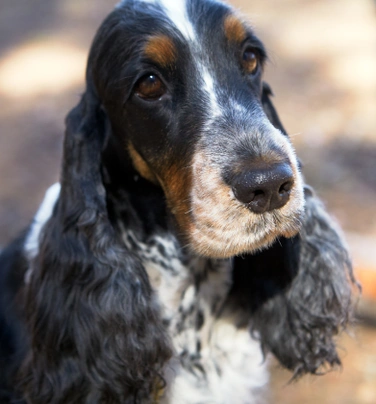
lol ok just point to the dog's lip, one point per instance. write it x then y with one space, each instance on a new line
291 233
219 250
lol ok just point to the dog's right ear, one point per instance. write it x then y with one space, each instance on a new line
269 108
97 334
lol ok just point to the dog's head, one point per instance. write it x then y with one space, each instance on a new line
181 83
174 88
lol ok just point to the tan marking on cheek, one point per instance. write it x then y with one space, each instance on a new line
140 165
289 233
234 29
176 182
221 227
161 50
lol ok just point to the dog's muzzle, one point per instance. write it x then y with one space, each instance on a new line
264 188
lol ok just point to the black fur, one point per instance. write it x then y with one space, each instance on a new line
89 291
88 328
13 336
301 293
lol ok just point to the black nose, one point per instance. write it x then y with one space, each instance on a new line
264 189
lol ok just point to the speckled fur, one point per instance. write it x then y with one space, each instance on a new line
144 280
215 361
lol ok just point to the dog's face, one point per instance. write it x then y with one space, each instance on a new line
181 82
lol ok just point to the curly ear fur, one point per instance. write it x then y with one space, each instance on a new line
310 303
97 335
299 291
269 109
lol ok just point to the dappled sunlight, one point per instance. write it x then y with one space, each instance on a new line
327 28
322 70
323 55
41 68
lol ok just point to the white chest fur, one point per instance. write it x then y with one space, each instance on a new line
215 362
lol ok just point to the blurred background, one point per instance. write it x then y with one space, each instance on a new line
323 72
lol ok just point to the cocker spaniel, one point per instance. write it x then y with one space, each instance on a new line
182 243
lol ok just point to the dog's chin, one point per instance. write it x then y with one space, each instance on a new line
209 246
220 226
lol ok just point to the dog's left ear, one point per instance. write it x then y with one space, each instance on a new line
299 292
97 334
269 109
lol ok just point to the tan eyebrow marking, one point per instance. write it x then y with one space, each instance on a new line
176 183
161 49
234 29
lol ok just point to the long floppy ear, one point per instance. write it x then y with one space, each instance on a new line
304 296
96 332
299 291
269 109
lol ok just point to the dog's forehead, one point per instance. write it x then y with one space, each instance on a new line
177 12
188 17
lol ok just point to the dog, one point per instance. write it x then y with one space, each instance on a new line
182 243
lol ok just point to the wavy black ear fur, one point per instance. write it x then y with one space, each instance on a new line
300 293
269 109
97 336
299 290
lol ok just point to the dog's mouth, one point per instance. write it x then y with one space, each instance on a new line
236 238
221 226
217 223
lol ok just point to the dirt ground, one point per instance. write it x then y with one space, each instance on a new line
323 72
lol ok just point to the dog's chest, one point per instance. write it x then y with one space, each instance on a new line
215 361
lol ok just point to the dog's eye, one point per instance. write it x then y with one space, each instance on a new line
150 87
250 61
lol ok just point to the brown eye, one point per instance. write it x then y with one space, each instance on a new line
150 87
250 61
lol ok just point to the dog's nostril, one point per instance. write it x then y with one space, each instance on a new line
258 195
255 197
264 189
286 187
